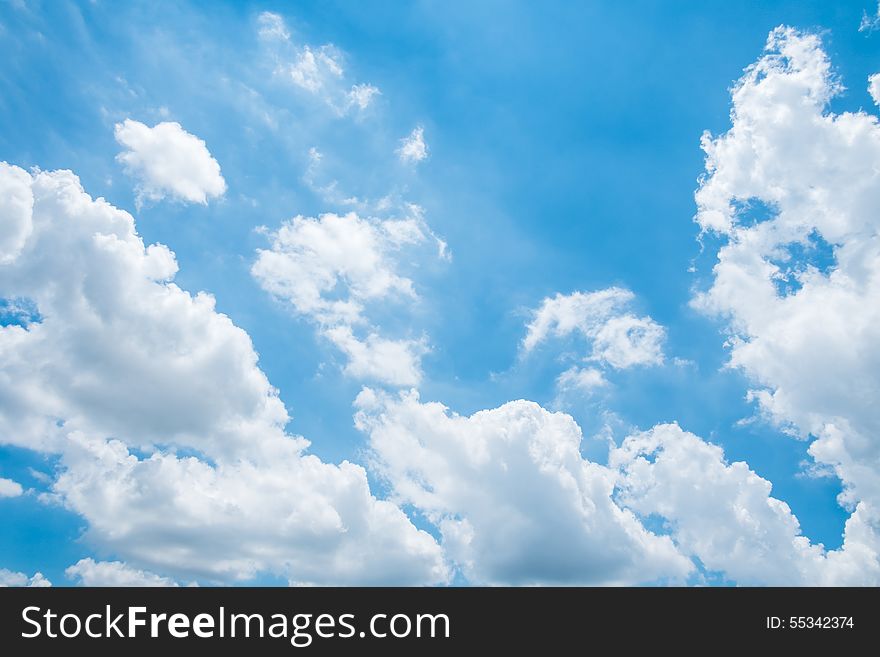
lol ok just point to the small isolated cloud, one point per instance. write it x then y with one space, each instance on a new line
167 161
312 68
618 338
10 578
9 488
88 572
271 26
413 147
317 70
361 95
583 379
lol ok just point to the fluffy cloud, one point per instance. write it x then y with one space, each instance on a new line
330 268
318 71
516 503
792 191
585 379
618 338
166 160
171 439
510 493
723 514
9 488
10 578
88 572
413 147
16 203
396 362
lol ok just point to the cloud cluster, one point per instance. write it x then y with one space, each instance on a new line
792 191
170 439
516 503
511 495
318 71
88 572
330 268
10 578
723 514
167 161
172 443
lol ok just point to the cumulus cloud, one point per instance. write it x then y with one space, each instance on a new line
798 283
316 70
329 269
167 161
723 514
9 488
618 338
511 495
10 578
413 147
16 203
170 439
88 572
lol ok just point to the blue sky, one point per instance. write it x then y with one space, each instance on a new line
563 155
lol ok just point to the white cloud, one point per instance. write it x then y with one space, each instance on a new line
874 87
167 161
800 286
331 268
271 26
396 362
10 578
312 68
723 514
328 268
585 379
317 70
510 493
413 147
618 338
123 358
88 572
360 96
870 23
9 488
16 203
